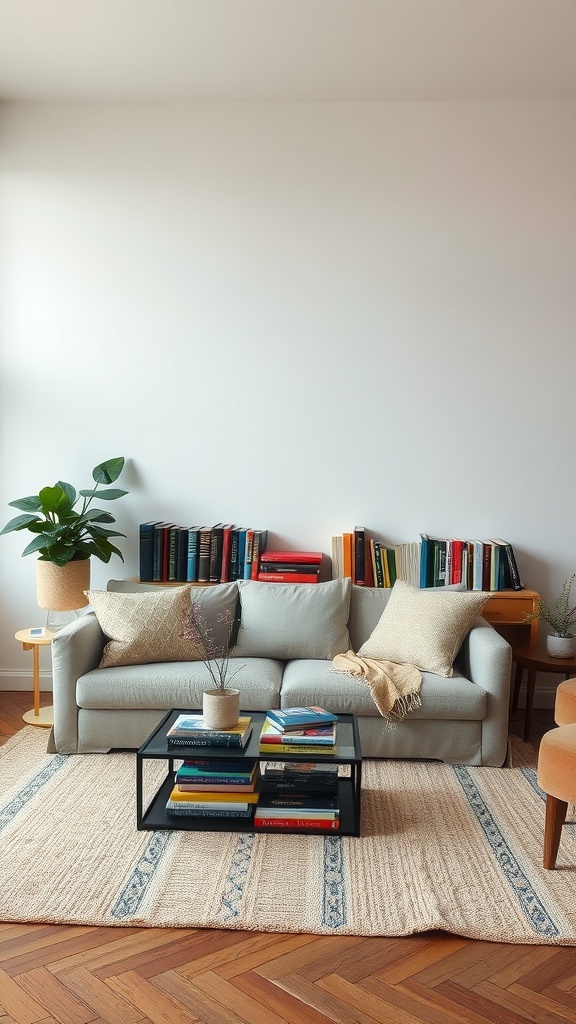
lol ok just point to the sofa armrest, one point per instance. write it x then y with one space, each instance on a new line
76 649
486 659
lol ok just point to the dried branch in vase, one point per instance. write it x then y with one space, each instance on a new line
215 649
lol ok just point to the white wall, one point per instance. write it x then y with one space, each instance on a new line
294 316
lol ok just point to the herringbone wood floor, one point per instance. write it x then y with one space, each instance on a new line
74 975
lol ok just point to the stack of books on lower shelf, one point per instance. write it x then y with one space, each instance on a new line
190 730
298 795
299 731
215 789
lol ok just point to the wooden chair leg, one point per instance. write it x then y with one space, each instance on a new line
555 818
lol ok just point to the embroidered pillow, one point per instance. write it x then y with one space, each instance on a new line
424 628
143 627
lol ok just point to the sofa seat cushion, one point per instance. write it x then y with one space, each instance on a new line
177 684
316 682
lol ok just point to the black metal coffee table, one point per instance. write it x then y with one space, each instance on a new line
348 757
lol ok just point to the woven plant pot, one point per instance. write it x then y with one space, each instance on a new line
60 588
221 708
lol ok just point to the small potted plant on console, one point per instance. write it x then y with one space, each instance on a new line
561 618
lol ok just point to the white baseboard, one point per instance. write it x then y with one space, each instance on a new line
23 681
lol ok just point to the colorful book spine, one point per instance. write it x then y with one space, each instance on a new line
205 741
146 565
287 577
296 823
305 748
192 560
192 812
204 554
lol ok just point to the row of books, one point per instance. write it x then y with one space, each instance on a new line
431 562
478 564
199 554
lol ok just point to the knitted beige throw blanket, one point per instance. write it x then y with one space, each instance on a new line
395 687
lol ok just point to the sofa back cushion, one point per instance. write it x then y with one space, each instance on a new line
291 620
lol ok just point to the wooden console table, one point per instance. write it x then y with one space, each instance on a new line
508 608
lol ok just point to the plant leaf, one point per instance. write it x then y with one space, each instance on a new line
109 494
35 545
100 531
97 515
29 504
54 499
19 523
68 490
107 472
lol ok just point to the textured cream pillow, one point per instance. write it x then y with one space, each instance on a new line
424 628
143 628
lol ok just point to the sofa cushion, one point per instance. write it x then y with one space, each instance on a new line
424 628
143 627
219 604
316 682
176 685
366 607
290 620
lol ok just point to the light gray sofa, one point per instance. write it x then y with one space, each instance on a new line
287 637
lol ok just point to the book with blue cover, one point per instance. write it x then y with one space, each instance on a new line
295 718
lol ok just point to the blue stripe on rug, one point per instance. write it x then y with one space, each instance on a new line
531 776
30 789
235 883
334 911
530 901
137 885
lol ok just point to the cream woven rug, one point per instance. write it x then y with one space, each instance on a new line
452 848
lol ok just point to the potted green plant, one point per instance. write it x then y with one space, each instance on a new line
561 617
65 536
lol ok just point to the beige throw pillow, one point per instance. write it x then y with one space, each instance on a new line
143 628
424 628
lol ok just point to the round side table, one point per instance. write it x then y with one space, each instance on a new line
534 659
38 716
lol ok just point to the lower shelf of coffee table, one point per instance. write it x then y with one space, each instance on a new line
156 817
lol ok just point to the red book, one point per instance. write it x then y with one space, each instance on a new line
166 551
287 577
456 564
307 557
328 824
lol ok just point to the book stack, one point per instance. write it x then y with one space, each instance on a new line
190 730
370 563
216 789
290 566
199 554
298 795
299 731
431 562
477 564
